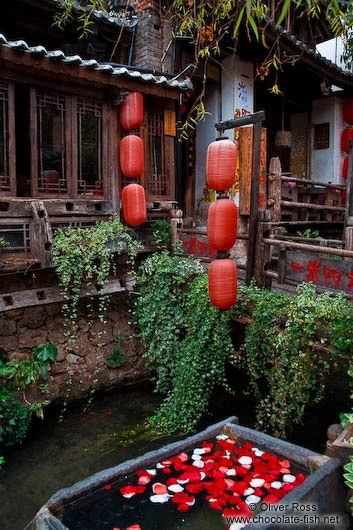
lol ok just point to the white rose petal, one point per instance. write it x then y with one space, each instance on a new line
176 488
199 451
196 457
258 452
257 482
236 526
160 499
231 472
199 464
203 475
276 485
252 499
249 491
152 471
245 460
288 478
222 437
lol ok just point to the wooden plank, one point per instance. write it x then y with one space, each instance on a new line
329 273
17 207
245 164
105 154
311 206
349 202
311 248
169 144
49 295
41 235
262 257
71 141
309 182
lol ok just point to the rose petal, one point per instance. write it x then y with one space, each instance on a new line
257 482
107 486
276 485
252 499
160 499
288 478
159 489
175 488
245 460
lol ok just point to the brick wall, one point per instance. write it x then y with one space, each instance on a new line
148 49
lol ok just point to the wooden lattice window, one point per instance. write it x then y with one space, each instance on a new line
157 181
7 151
89 147
51 144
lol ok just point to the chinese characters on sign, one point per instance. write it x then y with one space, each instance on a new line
324 272
197 248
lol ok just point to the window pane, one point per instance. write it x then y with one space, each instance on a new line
89 135
51 143
157 178
4 139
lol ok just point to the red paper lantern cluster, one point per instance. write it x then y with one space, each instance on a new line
348 111
131 155
347 134
222 223
221 164
134 204
131 111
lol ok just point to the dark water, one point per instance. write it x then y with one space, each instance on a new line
60 454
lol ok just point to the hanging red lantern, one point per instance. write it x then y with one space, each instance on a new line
131 111
134 204
347 134
221 164
222 283
131 156
348 111
222 224
345 167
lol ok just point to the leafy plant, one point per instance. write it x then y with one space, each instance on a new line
162 233
15 378
116 358
3 242
308 233
2 461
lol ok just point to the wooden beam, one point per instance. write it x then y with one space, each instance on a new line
17 207
275 189
311 248
313 182
50 295
311 206
41 235
256 117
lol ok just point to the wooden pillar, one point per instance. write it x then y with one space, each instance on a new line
41 235
254 202
262 256
275 189
348 225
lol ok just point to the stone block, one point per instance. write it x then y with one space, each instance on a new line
7 326
9 342
30 338
33 317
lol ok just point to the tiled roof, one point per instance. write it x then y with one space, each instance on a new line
119 71
99 15
304 48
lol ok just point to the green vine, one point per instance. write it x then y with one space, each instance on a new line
86 257
290 344
3 242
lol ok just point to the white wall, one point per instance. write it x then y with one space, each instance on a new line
233 97
326 164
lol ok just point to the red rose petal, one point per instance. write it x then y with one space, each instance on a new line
107 486
159 489
183 507
167 470
134 527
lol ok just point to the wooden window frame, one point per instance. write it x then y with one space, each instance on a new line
71 147
11 141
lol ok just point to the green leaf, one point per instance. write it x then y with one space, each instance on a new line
238 22
253 25
284 11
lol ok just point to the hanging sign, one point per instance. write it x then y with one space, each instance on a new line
169 122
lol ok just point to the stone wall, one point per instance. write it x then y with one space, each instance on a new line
23 329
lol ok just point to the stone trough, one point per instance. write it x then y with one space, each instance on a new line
324 487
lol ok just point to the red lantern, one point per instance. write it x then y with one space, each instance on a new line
134 204
131 156
347 134
348 111
131 111
222 283
221 164
222 224
345 167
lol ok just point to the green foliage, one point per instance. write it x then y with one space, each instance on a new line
348 477
16 377
188 339
4 243
283 350
86 256
162 233
309 233
116 358
2 461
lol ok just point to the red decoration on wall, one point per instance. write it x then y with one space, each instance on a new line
131 156
134 204
131 111
222 224
222 283
221 164
345 167
348 111
347 134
